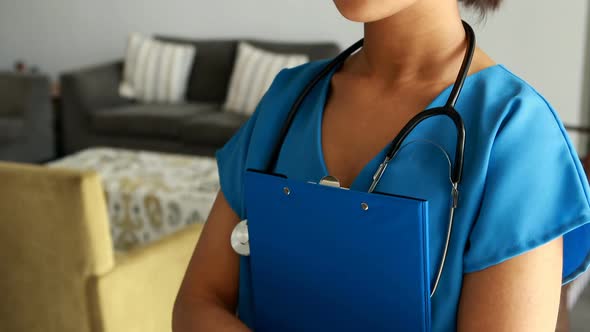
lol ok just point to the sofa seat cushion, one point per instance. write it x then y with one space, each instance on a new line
11 128
213 128
153 120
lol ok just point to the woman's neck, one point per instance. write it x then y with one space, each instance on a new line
425 41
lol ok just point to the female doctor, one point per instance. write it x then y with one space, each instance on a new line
521 229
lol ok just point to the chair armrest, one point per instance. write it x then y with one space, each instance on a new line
139 293
93 88
21 94
25 107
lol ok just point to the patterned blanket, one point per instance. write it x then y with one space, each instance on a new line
149 195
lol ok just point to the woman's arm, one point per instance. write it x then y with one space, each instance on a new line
520 294
208 295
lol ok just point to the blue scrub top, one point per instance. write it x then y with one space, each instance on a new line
523 184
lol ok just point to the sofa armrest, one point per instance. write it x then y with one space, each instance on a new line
83 92
139 293
94 87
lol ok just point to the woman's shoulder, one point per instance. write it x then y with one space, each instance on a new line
525 175
286 87
515 87
498 98
289 82
251 145
302 73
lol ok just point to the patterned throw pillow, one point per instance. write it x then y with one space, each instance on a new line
254 71
156 71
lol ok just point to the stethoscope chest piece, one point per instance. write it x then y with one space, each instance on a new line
240 240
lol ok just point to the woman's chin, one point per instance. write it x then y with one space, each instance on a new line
365 11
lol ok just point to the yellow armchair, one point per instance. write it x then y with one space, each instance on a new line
58 269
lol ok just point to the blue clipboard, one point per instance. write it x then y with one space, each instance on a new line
331 259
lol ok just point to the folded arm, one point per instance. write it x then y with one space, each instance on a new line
208 295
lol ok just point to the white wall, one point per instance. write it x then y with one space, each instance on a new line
542 40
63 34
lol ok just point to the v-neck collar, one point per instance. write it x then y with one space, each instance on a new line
363 179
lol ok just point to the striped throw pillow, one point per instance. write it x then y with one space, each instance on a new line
156 71
253 72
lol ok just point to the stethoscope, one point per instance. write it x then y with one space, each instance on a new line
240 237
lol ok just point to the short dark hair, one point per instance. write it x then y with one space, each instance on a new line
482 5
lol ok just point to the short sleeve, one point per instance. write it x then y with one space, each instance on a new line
233 157
535 191
231 164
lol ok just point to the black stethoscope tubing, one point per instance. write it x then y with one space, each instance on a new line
448 109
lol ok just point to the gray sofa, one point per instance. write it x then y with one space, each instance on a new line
94 114
26 118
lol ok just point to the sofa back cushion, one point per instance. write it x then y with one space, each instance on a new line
214 61
156 71
211 70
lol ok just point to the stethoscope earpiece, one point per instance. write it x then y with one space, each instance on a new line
240 240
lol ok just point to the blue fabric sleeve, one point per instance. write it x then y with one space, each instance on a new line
231 164
535 191
232 158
